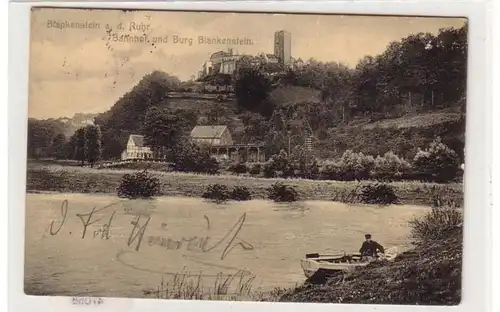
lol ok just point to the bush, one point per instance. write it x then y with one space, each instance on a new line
208 165
268 170
139 185
288 172
438 163
379 193
240 193
389 167
351 166
189 158
280 192
255 169
331 170
355 166
277 165
239 168
217 192
304 164
436 224
312 172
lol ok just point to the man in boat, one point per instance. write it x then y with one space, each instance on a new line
370 248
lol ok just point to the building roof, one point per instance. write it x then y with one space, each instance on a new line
218 54
137 139
208 132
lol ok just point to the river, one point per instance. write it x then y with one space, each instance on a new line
261 240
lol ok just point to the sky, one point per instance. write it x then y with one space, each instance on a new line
87 69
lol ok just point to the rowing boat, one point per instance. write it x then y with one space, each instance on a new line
316 265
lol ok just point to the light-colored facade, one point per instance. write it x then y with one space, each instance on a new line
136 149
211 135
268 58
221 62
207 68
283 47
226 62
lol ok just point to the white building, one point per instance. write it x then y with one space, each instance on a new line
136 149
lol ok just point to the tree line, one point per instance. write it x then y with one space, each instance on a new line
85 145
421 72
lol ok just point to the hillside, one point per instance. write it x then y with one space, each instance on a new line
429 274
402 135
295 94
374 137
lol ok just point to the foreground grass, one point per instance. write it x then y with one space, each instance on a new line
88 180
186 286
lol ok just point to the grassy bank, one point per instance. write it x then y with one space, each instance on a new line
87 180
429 274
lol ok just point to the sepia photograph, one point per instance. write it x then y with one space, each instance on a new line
235 156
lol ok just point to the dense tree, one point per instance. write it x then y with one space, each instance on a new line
252 89
127 115
59 147
420 72
78 143
92 144
41 135
164 128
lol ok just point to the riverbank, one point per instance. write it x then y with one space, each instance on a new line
429 274
87 180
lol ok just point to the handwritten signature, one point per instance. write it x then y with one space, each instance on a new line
140 224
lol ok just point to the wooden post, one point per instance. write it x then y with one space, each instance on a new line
258 154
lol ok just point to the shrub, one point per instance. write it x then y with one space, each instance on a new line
208 165
277 165
255 169
389 167
355 166
438 163
313 170
139 185
436 224
379 193
268 170
280 192
240 193
190 158
239 168
217 192
289 171
331 170
305 165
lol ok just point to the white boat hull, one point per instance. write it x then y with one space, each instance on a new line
328 264
311 266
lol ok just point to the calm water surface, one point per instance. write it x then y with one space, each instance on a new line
259 238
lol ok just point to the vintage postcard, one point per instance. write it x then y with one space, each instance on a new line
245 156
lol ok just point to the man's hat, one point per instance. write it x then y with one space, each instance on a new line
368 236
